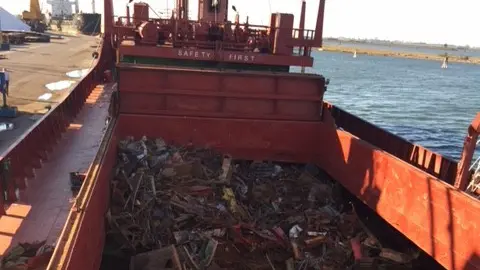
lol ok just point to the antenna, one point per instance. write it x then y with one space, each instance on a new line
93 6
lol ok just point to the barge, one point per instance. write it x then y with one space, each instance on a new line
225 85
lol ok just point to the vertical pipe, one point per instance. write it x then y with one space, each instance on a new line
226 11
178 7
200 9
319 28
185 9
108 17
302 21
128 15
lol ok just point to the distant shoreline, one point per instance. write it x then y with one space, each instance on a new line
387 43
408 55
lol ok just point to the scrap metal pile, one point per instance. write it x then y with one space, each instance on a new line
191 208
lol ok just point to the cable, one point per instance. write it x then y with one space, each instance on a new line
154 11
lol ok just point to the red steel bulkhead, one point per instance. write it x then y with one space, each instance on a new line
434 215
439 218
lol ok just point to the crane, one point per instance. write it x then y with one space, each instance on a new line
34 17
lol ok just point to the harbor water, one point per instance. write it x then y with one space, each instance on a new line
415 99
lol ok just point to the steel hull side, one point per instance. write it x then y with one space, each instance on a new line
429 212
433 163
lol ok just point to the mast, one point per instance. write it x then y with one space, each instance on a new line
182 9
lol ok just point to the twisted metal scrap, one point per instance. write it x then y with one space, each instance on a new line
235 215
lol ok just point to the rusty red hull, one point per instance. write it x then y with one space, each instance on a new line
432 214
256 116
401 181
35 168
188 92
403 189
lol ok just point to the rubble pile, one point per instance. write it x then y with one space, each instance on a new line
27 256
190 208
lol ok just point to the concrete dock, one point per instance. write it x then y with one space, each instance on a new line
31 67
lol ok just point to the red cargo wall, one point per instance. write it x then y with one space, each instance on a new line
188 106
434 215
416 155
188 92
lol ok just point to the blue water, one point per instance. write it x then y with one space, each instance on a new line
415 99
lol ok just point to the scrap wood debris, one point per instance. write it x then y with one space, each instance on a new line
190 208
27 256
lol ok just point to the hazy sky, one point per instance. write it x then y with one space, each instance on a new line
433 21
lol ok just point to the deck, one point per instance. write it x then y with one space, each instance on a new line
42 210
31 67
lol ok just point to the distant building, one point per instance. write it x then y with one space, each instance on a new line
63 8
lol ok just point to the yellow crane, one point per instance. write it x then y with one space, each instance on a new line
34 17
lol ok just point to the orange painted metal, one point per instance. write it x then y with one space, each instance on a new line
81 243
402 182
40 209
416 155
210 55
214 38
464 174
403 191
170 91
431 213
48 196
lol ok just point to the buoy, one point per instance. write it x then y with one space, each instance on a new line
445 62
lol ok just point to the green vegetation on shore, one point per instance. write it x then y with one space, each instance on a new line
409 55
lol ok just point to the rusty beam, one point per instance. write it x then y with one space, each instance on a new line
469 145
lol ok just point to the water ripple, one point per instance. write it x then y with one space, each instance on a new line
412 98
